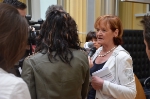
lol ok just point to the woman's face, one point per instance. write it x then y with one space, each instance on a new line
104 34
95 42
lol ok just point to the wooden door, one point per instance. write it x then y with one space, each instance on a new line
140 92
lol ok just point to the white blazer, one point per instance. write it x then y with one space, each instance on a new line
12 87
120 64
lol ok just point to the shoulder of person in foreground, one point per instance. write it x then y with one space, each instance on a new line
16 88
21 91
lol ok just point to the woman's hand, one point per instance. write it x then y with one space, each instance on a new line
97 83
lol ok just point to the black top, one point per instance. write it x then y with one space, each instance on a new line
96 67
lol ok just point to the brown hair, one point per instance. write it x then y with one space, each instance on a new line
13 36
146 25
90 36
114 23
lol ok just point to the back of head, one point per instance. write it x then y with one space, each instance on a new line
146 24
114 22
17 4
52 8
13 35
59 32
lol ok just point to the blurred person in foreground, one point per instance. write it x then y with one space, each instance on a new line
59 70
113 56
13 41
21 7
146 33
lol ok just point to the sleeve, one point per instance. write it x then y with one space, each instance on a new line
126 88
85 85
28 76
20 91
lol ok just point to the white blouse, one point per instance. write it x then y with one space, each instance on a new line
12 87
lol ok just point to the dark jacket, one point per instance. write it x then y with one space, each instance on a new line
57 80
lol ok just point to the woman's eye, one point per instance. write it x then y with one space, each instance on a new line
95 40
103 30
97 30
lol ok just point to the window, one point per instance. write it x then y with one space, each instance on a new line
148 7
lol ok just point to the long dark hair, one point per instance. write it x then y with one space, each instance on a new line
59 33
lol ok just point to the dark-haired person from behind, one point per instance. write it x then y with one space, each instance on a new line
13 41
60 69
52 8
48 11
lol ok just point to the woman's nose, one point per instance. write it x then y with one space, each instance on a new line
99 32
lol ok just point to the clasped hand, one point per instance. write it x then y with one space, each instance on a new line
97 83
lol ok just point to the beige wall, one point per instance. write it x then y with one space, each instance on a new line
77 9
98 8
127 11
127 14
24 1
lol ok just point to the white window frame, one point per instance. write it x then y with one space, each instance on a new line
148 8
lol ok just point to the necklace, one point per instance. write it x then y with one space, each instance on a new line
107 52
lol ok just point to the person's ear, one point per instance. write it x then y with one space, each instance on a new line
116 33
